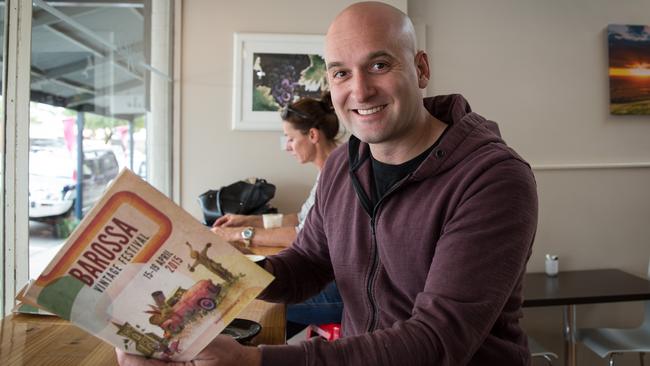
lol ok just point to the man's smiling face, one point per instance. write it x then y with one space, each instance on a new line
373 72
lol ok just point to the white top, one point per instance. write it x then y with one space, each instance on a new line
304 210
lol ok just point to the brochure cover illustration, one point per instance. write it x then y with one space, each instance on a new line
147 277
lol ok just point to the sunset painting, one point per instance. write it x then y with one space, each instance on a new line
629 69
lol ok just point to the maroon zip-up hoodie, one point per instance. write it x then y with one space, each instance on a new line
432 273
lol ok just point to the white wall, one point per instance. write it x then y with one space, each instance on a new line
539 68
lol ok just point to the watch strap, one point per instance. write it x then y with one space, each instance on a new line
247 236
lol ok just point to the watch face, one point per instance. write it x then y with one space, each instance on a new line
247 233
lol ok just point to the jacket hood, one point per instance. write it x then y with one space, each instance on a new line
466 133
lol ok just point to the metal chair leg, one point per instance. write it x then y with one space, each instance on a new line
641 354
548 359
611 359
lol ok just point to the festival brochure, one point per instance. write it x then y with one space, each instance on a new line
23 308
145 276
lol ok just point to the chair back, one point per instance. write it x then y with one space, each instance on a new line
537 350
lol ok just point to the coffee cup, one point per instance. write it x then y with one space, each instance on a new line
272 220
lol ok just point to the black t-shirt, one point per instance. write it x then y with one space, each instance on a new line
387 175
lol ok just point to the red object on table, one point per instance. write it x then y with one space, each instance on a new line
329 331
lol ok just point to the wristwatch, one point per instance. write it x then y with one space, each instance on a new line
247 235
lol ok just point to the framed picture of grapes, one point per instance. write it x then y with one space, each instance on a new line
271 71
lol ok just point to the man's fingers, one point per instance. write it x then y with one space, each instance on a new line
125 359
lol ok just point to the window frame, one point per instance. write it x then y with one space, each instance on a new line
16 96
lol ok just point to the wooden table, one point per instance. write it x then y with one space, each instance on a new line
27 340
266 250
47 340
571 288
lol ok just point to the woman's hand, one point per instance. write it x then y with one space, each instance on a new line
233 236
223 351
232 220
229 234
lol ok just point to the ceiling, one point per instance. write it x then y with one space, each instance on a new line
92 56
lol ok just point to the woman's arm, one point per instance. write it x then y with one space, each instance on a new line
232 220
279 236
276 237
290 220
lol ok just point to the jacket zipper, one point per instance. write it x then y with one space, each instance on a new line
365 203
374 247
371 277
374 264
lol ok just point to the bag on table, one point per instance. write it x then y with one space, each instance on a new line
249 197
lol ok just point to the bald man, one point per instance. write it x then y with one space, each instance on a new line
425 218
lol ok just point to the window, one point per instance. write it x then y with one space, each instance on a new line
100 90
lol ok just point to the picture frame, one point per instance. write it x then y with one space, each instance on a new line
271 71
629 69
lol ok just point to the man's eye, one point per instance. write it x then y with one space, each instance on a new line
378 66
339 74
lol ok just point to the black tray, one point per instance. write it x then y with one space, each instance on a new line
243 330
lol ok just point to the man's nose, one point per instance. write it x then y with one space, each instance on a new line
362 87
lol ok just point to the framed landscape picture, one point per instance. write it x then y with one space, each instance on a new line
629 69
271 71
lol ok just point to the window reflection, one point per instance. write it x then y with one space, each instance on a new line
91 90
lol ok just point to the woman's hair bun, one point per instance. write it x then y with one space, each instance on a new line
326 101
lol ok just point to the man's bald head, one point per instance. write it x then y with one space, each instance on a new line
376 76
373 16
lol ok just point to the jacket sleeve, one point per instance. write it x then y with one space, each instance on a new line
304 268
473 283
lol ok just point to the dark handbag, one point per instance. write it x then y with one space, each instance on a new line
242 197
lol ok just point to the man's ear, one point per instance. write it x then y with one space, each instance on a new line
422 66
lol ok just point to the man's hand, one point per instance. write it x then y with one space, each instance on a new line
223 351
232 220
125 359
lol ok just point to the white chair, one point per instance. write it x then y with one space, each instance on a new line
609 342
536 350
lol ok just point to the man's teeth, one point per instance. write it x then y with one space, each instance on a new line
365 112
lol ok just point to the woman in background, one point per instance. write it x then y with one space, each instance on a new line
311 128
